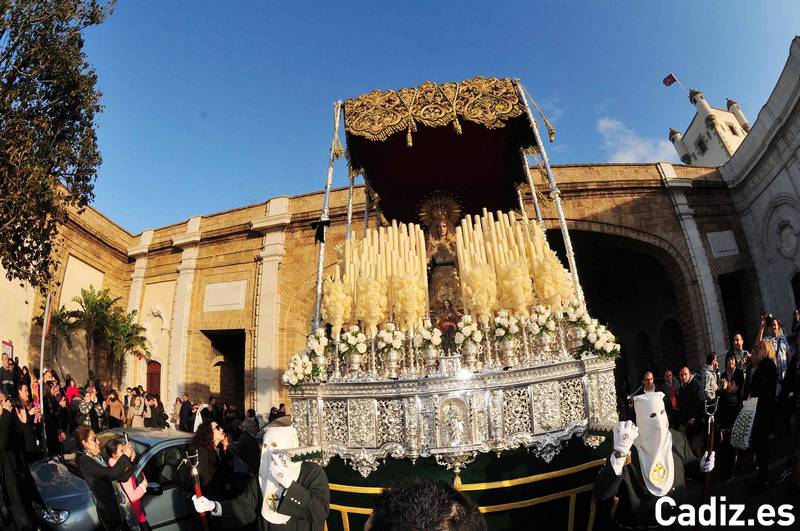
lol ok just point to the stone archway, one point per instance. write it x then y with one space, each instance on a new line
635 282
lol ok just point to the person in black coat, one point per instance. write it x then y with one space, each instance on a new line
186 423
215 461
248 446
691 401
763 382
157 417
113 507
16 486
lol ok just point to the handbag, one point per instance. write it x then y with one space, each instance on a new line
742 431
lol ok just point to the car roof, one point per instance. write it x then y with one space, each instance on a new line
152 436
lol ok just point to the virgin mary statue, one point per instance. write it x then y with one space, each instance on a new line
439 213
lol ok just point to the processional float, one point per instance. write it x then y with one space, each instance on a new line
447 327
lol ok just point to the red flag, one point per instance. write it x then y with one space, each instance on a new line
670 79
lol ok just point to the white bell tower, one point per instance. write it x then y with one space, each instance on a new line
713 135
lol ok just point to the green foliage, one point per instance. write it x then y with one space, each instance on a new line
48 146
109 330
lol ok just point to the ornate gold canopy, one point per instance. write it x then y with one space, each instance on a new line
489 102
477 160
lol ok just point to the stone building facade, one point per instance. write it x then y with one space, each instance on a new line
764 178
227 298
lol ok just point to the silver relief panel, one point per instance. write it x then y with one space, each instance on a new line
362 423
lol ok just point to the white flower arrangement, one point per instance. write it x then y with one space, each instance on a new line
542 320
575 313
301 369
428 335
600 340
506 326
390 338
353 340
317 342
468 330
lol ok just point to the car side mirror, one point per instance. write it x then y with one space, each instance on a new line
154 489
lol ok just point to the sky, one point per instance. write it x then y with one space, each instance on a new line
212 105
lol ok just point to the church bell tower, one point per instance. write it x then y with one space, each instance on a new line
713 135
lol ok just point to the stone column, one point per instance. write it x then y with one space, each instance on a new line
133 367
272 226
712 313
188 243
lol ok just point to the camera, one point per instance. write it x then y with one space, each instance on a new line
768 318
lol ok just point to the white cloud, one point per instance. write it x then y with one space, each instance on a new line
624 145
551 108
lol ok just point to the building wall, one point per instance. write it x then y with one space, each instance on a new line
17 309
764 179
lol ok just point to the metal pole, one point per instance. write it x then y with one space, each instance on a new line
366 209
42 396
554 193
349 207
528 176
324 218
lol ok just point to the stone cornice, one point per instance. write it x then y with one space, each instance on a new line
190 239
678 184
271 222
137 251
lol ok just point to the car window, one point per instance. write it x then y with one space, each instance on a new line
162 468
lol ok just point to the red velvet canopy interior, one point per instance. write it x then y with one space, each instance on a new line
481 166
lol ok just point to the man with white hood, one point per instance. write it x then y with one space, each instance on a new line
285 496
648 462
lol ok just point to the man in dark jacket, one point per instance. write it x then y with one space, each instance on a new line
286 495
186 423
691 402
249 447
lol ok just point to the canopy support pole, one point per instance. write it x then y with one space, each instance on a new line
366 209
529 177
554 192
348 229
324 219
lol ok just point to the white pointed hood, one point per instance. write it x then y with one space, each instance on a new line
654 443
276 438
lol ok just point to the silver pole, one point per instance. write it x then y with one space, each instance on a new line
40 383
366 209
529 177
349 207
324 218
554 193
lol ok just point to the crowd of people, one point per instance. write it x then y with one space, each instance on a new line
769 371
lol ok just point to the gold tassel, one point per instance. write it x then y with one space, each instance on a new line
409 141
338 150
457 126
457 482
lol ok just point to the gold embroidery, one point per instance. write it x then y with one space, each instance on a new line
658 473
378 114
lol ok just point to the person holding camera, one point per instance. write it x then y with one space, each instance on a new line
113 506
772 330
